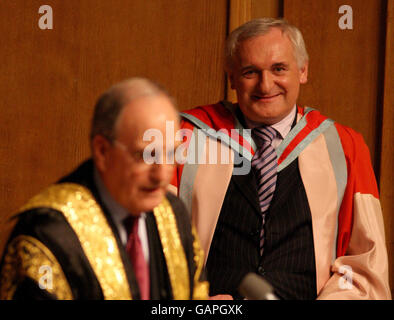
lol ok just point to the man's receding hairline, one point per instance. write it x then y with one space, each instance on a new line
132 104
261 27
284 33
111 103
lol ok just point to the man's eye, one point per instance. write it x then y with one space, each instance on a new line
249 73
279 69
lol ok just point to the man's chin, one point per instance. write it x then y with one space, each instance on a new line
267 113
153 193
150 200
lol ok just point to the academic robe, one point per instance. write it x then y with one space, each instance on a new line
65 246
334 163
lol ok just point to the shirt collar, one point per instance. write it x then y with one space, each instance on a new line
283 127
117 212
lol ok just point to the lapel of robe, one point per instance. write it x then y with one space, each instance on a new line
159 280
84 176
284 185
133 284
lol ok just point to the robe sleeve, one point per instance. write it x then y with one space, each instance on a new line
30 271
360 270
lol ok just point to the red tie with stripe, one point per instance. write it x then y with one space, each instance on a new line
136 254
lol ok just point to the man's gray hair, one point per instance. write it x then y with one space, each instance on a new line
258 27
110 104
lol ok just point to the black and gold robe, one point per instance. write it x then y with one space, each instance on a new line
65 246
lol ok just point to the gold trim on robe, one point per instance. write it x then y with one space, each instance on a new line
201 288
28 257
173 250
86 218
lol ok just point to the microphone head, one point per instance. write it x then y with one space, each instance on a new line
254 287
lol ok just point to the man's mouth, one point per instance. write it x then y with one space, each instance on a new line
151 189
265 97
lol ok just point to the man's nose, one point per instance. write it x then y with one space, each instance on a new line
159 172
266 82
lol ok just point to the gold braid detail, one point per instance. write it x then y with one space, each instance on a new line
201 288
87 220
173 250
28 257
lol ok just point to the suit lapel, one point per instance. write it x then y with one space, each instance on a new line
247 187
284 185
246 183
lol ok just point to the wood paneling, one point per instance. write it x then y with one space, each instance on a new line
266 9
345 65
387 155
51 79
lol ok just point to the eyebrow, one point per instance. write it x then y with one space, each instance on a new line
280 64
276 64
252 66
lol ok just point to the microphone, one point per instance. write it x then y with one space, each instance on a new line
254 287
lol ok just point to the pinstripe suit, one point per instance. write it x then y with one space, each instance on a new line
288 261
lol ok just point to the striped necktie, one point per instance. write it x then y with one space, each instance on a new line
265 164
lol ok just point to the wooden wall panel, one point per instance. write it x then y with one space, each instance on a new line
266 9
346 66
50 79
387 155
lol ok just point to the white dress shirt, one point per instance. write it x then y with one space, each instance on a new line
283 127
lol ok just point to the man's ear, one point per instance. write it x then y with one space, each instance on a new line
100 150
230 75
304 73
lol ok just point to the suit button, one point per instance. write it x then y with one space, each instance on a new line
261 270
